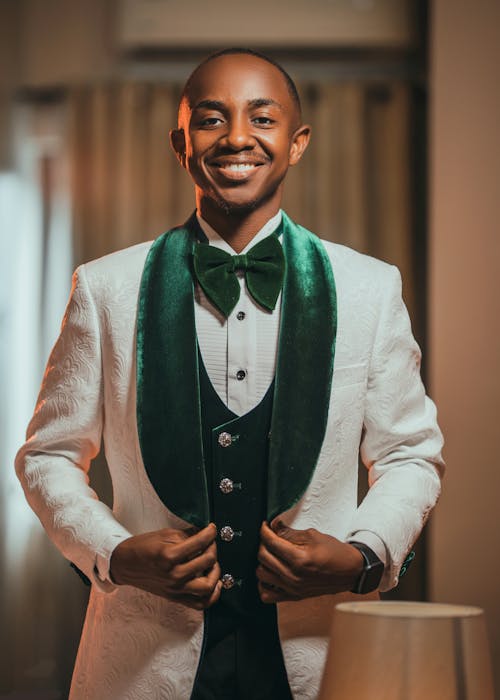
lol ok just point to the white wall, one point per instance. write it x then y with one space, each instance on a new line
465 302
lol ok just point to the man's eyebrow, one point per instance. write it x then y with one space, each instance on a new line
265 102
210 104
257 102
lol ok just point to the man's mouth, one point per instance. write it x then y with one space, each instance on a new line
235 170
238 167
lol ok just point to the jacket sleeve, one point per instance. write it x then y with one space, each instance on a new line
63 437
401 444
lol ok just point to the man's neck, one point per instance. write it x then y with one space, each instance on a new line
238 228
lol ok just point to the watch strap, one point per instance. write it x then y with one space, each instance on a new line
372 572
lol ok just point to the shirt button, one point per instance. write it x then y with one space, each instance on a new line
225 439
240 315
226 533
226 485
227 581
241 374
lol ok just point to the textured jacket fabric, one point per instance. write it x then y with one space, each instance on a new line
136 646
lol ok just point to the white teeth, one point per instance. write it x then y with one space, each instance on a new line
238 167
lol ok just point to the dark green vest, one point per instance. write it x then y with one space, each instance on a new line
241 655
235 453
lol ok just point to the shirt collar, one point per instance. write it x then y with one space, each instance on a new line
219 242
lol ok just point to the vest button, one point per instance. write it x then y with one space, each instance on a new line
226 533
227 581
226 485
225 439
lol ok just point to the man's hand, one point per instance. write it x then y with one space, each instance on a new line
296 564
180 565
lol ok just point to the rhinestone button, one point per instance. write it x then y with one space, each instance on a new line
241 374
226 533
224 439
226 485
227 581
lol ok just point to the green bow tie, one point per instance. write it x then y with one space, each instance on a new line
264 267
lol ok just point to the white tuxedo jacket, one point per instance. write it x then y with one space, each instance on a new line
136 646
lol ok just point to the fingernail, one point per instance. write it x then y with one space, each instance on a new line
278 525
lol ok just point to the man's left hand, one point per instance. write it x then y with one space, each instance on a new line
296 564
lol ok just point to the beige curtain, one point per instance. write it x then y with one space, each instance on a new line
353 186
127 186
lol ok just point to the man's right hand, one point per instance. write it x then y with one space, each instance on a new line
180 565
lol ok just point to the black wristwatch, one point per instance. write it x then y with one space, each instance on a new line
373 569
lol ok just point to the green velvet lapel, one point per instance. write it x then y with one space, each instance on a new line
304 368
168 393
168 397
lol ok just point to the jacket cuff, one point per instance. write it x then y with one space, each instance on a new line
101 576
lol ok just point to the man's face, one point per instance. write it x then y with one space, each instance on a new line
239 131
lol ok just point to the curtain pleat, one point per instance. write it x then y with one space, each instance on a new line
390 223
159 196
127 185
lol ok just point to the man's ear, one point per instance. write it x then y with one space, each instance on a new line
178 143
300 139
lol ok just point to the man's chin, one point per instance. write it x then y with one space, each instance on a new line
240 207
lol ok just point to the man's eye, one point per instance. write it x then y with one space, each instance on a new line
266 121
210 121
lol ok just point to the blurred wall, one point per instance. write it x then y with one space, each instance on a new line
60 42
465 301
56 42
9 74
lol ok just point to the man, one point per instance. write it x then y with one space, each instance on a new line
235 369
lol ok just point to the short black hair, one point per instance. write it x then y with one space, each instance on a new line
292 88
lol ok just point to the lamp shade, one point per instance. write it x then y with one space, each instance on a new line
387 650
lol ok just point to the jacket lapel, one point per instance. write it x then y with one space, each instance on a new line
168 395
304 367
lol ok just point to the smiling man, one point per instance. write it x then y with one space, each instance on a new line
236 368
239 131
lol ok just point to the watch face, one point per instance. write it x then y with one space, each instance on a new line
371 577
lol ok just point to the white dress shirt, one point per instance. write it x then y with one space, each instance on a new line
230 347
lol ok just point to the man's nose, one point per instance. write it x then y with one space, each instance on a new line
239 134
